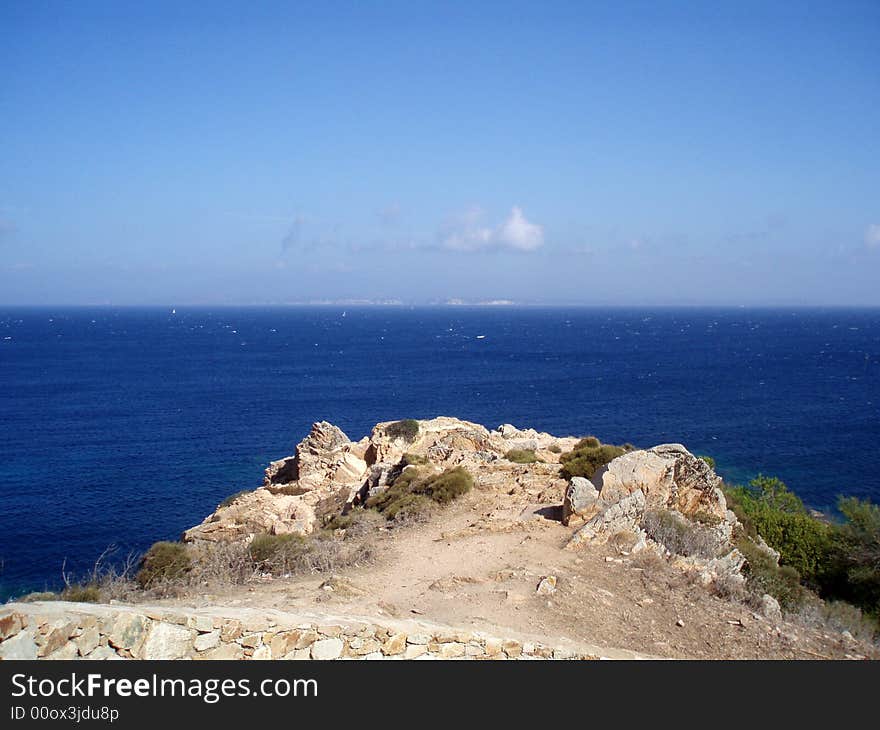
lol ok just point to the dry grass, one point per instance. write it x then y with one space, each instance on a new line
837 617
678 534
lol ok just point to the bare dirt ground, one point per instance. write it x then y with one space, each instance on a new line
476 565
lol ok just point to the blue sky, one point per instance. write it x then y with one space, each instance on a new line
608 153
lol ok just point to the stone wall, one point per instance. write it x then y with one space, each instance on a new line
60 630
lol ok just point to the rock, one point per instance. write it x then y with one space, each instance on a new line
262 653
128 632
327 649
204 642
103 653
11 624
641 543
547 586
770 608
511 648
255 512
251 641
167 641
669 476
623 515
323 456
396 644
19 646
415 650
231 630
581 501
57 637
224 651
493 647
726 570
69 650
679 623
451 650
202 624
88 640
284 642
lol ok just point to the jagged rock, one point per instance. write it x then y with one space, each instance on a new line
547 586
770 608
726 570
623 515
256 512
66 651
669 476
324 456
167 641
378 478
20 646
128 632
205 642
327 649
507 437
11 624
56 637
581 501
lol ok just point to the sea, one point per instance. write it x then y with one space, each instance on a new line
123 426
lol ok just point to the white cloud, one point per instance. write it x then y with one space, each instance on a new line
468 232
518 233
872 236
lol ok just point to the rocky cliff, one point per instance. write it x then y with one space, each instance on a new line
641 556
329 474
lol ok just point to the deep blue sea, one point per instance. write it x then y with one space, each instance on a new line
126 426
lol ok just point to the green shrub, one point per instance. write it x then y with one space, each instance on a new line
766 507
407 429
412 492
163 562
554 449
232 497
521 456
763 575
840 560
81 593
854 555
587 456
414 460
265 547
447 486
397 495
358 520
709 460
39 596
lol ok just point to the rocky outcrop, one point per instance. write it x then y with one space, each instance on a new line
326 456
256 512
581 501
622 516
665 477
328 472
670 478
325 463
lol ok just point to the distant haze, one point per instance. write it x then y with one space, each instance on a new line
561 152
